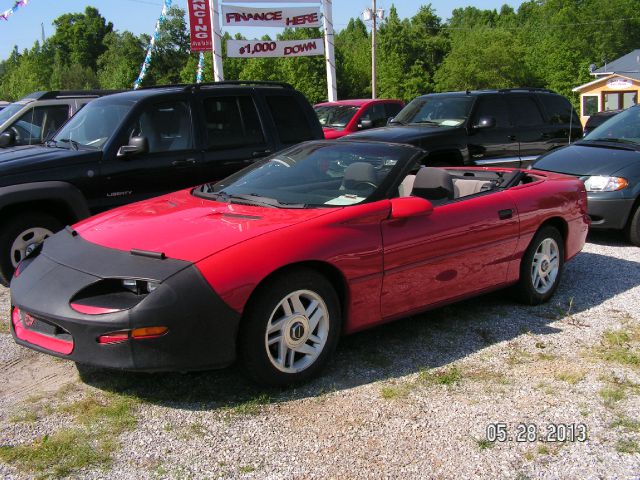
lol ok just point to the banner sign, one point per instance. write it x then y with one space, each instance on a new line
282 48
617 82
200 22
270 17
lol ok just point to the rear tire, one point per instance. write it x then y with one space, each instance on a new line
20 234
290 329
633 230
541 267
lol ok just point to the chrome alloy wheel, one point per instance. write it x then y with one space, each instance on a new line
297 331
545 266
26 242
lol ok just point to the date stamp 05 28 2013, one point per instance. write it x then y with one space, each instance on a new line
530 432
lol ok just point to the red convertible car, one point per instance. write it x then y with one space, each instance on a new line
274 263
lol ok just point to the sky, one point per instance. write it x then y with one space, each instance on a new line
24 27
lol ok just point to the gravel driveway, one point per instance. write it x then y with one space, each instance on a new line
412 399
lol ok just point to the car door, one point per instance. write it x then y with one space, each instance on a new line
530 128
233 133
497 144
463 247
171 162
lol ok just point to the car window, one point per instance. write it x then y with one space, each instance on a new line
291 123
9 111
39 123
493 106
376 113
166 125
315 174
525 111
623 127
232 121
335 116
442 110
94 124
559 110
392 109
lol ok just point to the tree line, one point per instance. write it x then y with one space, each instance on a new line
544 43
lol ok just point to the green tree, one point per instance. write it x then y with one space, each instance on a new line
79 37
119 65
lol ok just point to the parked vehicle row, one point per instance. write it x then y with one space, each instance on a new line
349 116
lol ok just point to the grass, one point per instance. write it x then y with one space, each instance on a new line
518 356
60 454
252 406
448 376
25 416
621 346
246 469
482 374
484 444
89 443
612 395
4 326
627 446
395 391
570 375
628 424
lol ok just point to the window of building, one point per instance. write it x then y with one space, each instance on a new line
619 100
589 105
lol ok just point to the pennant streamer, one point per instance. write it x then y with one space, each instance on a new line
154 38
7 13
200 68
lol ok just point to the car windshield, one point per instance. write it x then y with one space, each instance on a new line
335 116
436 110
7 112
92 126
622 128
313 174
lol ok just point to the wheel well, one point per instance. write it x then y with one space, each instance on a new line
636 204
55 208
561 225
325 269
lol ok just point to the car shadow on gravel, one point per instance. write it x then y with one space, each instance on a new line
611 238
429 340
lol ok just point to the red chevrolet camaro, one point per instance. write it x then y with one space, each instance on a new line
274 263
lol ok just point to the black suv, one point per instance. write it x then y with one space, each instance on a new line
138 144
510 127
34 118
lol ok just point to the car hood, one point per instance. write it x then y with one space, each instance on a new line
584 160
29 157
412 134
186 227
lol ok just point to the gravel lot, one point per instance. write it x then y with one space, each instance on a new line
412 399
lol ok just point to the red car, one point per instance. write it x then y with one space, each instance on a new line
349 116
274 263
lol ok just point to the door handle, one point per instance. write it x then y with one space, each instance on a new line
184 163
505 214
260 153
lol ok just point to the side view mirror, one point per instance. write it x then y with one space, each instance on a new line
485 122
364 124
406 207
7 139
390 120
136 146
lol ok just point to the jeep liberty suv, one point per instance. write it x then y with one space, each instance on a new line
138 144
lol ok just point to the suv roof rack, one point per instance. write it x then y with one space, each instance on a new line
526 89
189 86
53 94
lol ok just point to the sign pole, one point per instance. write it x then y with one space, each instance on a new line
327 19
216 45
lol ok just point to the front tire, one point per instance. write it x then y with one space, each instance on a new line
541 267
290 329
20 234
633 230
